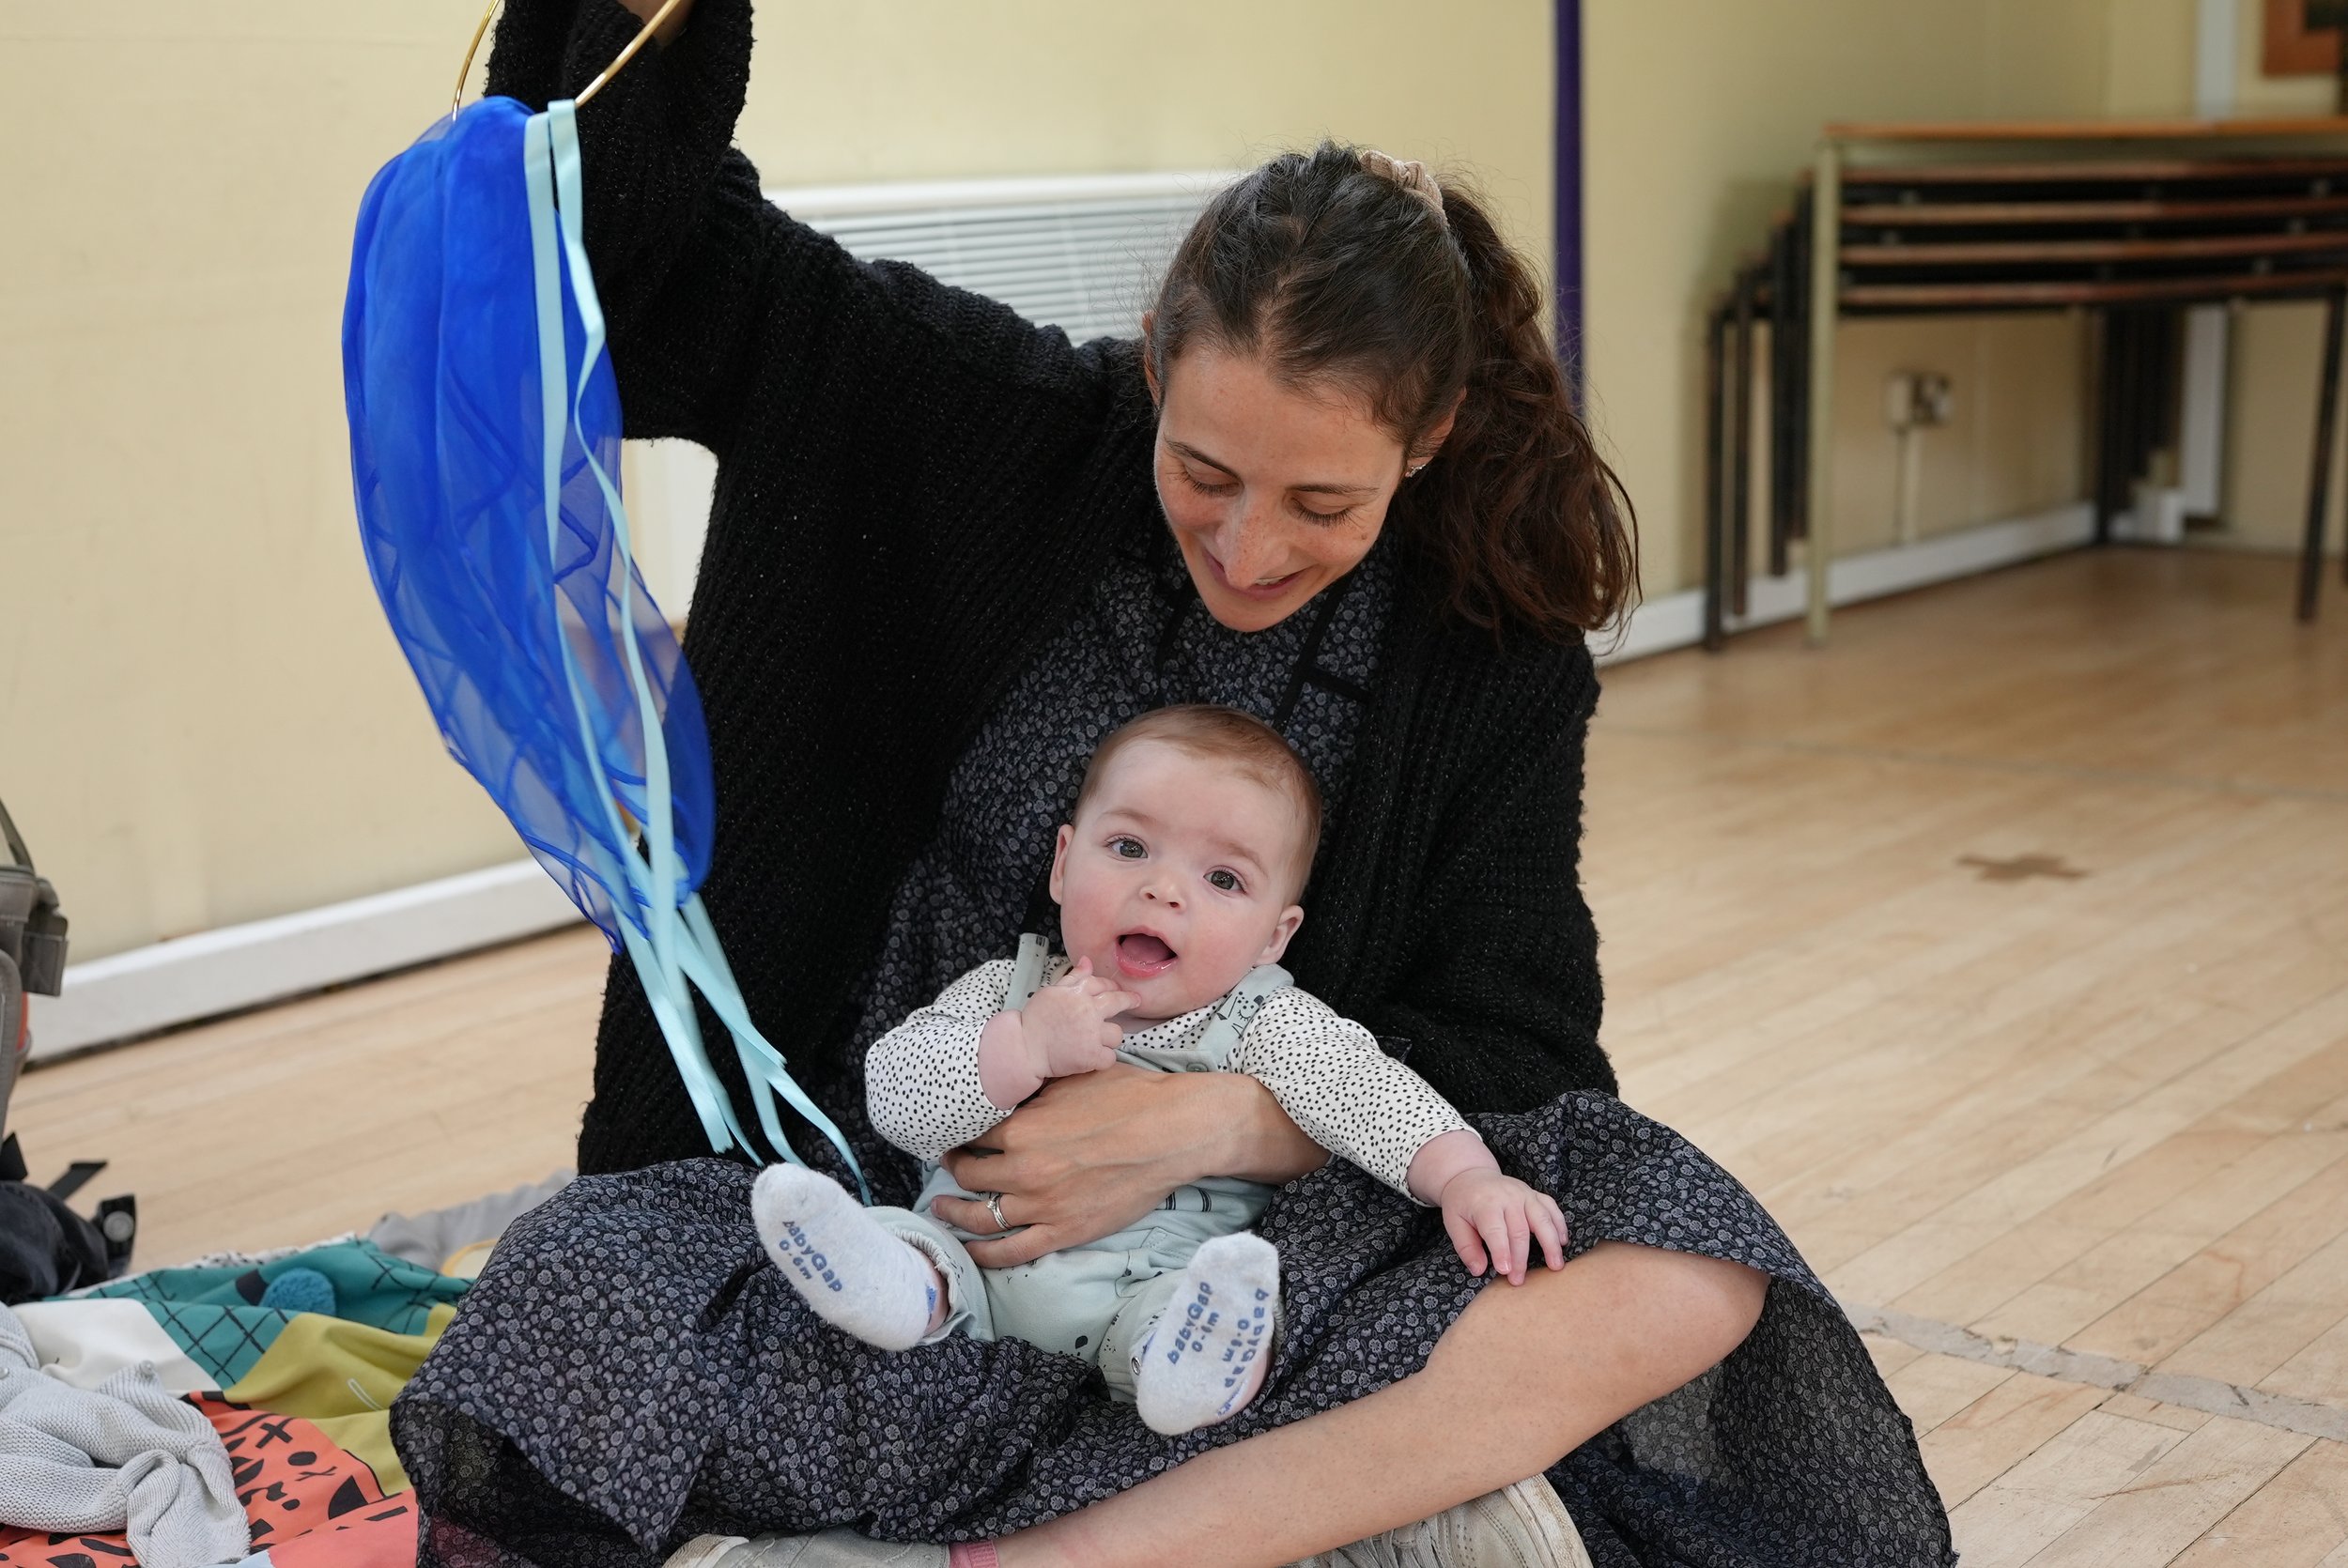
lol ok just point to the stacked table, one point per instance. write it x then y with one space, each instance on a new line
2133 222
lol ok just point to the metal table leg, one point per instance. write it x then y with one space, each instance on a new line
1715 577
1784 471
2320 481
1826 228
1740 443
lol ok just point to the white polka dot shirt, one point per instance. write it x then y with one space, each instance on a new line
1327 1072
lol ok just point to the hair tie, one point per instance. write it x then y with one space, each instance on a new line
1410 173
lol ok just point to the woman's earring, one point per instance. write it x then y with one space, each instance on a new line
1411 472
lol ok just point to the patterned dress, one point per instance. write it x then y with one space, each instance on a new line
632 1371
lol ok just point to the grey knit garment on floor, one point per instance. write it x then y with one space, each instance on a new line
126 1454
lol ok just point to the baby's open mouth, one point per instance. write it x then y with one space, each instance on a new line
1140 955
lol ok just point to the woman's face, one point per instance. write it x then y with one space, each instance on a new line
1273 492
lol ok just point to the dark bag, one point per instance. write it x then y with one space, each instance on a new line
45 1247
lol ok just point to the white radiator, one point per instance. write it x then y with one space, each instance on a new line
1081 253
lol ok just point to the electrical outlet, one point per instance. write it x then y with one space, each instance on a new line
1913 399
1936 398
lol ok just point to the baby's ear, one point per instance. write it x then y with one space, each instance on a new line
1290 918
1059 858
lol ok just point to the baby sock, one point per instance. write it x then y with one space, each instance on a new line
857 1276
1208 1355
978 1554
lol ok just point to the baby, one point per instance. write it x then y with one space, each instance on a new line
1177 882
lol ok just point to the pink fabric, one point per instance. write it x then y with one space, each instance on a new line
978 1554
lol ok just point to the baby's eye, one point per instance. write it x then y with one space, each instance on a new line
1225 881
1126 848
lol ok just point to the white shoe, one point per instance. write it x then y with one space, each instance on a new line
834 1548
1522 1526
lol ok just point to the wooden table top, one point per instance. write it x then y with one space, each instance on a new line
2086 130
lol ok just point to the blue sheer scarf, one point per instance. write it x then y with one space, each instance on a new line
484 446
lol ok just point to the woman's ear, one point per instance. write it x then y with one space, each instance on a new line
1059 858
1432 441
1290 918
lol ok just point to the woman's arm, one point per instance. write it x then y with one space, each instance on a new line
725 314
1500 996
673 213
1093 1153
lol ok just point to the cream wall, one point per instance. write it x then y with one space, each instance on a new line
1698 116
2277 350
201 718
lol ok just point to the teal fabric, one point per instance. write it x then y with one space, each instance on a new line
216 1315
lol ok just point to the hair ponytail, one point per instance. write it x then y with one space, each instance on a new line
1335 267
1533 525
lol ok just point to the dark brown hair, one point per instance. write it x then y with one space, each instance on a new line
1225 735
1332 274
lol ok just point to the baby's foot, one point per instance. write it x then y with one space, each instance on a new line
856 1275
1208 1355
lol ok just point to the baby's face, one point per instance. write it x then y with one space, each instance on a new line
1176 878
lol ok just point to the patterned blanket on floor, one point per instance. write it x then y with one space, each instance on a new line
311 1504
294 1358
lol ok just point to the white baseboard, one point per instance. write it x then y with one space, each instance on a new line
1677 620
223 971
194 977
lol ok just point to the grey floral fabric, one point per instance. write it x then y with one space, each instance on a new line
632 1371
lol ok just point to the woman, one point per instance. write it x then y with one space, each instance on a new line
1337 484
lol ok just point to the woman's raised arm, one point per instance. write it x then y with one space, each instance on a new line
676 230
680 11
727 315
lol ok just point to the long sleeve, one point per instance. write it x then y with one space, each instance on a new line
671 211
1340 1088
727 316
1501 995
921 1079
915 488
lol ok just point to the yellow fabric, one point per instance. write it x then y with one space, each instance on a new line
467 1262
342 1377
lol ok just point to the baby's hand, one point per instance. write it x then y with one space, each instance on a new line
1494 1216
1065 1025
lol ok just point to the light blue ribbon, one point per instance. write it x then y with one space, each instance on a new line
675 947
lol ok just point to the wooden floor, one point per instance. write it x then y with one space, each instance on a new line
2002 948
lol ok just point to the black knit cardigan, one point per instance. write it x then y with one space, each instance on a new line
915 488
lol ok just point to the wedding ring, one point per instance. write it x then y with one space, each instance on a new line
995 1207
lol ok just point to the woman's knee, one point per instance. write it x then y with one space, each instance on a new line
1717 1301
1679 1313
1568 1353
1657 1319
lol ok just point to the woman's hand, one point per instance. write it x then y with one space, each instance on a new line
647 9
1090 1155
